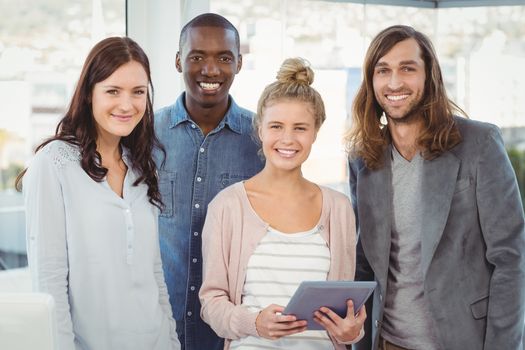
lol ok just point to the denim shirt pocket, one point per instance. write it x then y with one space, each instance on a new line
227 179
167 181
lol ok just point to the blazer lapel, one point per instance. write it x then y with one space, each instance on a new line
439 180
374 208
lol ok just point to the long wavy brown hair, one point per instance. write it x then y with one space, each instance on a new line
366 139
78 126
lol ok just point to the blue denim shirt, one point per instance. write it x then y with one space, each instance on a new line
196 168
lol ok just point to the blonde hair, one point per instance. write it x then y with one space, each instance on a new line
293 83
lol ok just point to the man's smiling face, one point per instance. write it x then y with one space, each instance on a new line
399 80
208 59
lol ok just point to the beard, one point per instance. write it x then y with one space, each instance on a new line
414 111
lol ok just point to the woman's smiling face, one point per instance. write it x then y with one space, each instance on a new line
287 133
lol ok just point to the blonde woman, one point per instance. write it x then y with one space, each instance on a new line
264 236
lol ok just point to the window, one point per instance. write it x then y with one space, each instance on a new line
42 48
480 49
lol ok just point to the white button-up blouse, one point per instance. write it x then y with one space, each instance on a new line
97 254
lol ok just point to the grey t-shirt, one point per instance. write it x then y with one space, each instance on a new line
407 321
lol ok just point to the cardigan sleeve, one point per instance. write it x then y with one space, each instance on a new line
342 237
228 320
343 247
47 240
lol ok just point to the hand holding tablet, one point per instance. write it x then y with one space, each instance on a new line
312 295
272 324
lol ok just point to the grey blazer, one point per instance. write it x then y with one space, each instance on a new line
472 247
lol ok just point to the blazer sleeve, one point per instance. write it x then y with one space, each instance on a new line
363 270
47 240
352 175
228 320
503 227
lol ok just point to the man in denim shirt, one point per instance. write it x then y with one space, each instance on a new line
208 145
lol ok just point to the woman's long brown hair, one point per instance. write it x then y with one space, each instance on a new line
78 128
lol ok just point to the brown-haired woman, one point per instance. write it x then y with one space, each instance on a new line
92 198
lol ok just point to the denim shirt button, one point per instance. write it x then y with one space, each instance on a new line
199 179
220 159
194 260
192 288
189 313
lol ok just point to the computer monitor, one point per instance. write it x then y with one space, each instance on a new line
27 322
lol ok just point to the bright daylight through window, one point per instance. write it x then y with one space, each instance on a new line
481 50
42 47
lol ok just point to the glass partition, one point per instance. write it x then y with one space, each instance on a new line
481 51
42 47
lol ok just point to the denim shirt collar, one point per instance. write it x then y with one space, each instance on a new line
232 118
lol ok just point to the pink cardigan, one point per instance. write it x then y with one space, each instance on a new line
231 233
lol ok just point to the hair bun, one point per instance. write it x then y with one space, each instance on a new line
295 70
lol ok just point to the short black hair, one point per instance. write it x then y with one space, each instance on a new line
209 20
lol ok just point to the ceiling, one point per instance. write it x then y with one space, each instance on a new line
437 3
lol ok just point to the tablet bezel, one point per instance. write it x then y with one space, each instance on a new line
307 298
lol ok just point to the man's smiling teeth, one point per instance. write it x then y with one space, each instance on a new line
396 97
209 86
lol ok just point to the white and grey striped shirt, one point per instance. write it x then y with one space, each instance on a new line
278 265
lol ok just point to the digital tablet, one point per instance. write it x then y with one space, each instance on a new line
312 295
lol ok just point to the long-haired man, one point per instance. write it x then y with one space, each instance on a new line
441 224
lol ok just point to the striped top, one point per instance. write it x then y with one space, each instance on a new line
231 233
280 262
